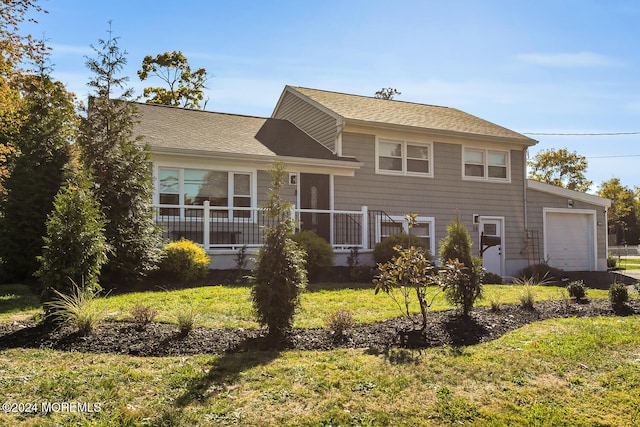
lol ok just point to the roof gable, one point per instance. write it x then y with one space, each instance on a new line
400 113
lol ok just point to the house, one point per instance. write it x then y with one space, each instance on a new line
357 165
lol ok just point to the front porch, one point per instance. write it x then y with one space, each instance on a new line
224 231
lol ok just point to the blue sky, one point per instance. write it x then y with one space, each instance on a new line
543 66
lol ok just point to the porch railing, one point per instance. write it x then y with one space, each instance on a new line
231 228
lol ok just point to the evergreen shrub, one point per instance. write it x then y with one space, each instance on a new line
319 253
185 261
384 250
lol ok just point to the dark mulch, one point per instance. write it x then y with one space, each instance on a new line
159 339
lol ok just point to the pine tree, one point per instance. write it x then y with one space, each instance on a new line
43 143
120 168
75 247
279 274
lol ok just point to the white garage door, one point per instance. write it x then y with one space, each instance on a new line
569 240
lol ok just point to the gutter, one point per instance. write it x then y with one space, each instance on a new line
261 159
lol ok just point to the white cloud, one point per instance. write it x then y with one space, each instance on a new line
571 60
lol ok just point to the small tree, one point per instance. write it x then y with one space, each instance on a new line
75 247
411 270
462 273
279 274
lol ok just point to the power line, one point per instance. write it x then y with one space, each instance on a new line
612 157
581 134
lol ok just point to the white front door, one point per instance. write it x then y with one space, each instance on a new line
492 259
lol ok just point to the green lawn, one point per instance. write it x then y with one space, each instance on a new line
629 263
564 372
230 306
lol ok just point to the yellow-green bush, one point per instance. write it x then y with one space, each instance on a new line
185 261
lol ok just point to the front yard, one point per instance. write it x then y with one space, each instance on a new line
573 371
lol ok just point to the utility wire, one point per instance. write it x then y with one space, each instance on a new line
612 157
582 134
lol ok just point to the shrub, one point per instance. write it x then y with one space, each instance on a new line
279 273
463 273
143 314
540 272
384 250
185 261
241 263
461 284
618 295
77 307
577 290
358 272
612 261
319 253
339 323
362 274
492 279
75 248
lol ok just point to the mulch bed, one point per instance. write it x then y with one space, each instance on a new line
445 328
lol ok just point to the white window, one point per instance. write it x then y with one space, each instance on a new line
195 186
486 164
404 157
423 229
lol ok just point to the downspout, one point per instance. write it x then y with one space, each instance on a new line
524 190
524 200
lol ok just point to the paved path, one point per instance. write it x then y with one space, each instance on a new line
634 274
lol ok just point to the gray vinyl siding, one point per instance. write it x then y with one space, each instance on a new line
439 197
538 200
288 192
313 121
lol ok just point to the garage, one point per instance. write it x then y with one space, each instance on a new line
569 237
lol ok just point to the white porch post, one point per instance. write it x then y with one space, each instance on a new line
292 212
365 227
205 225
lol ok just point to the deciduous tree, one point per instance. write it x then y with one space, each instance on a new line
184 87
387 93
561 168
17 51
622 215
43 141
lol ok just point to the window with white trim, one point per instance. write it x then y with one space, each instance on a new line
403 157
195 186
423 229
486 164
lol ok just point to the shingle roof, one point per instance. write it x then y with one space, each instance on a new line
170 127
369 109
177 128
